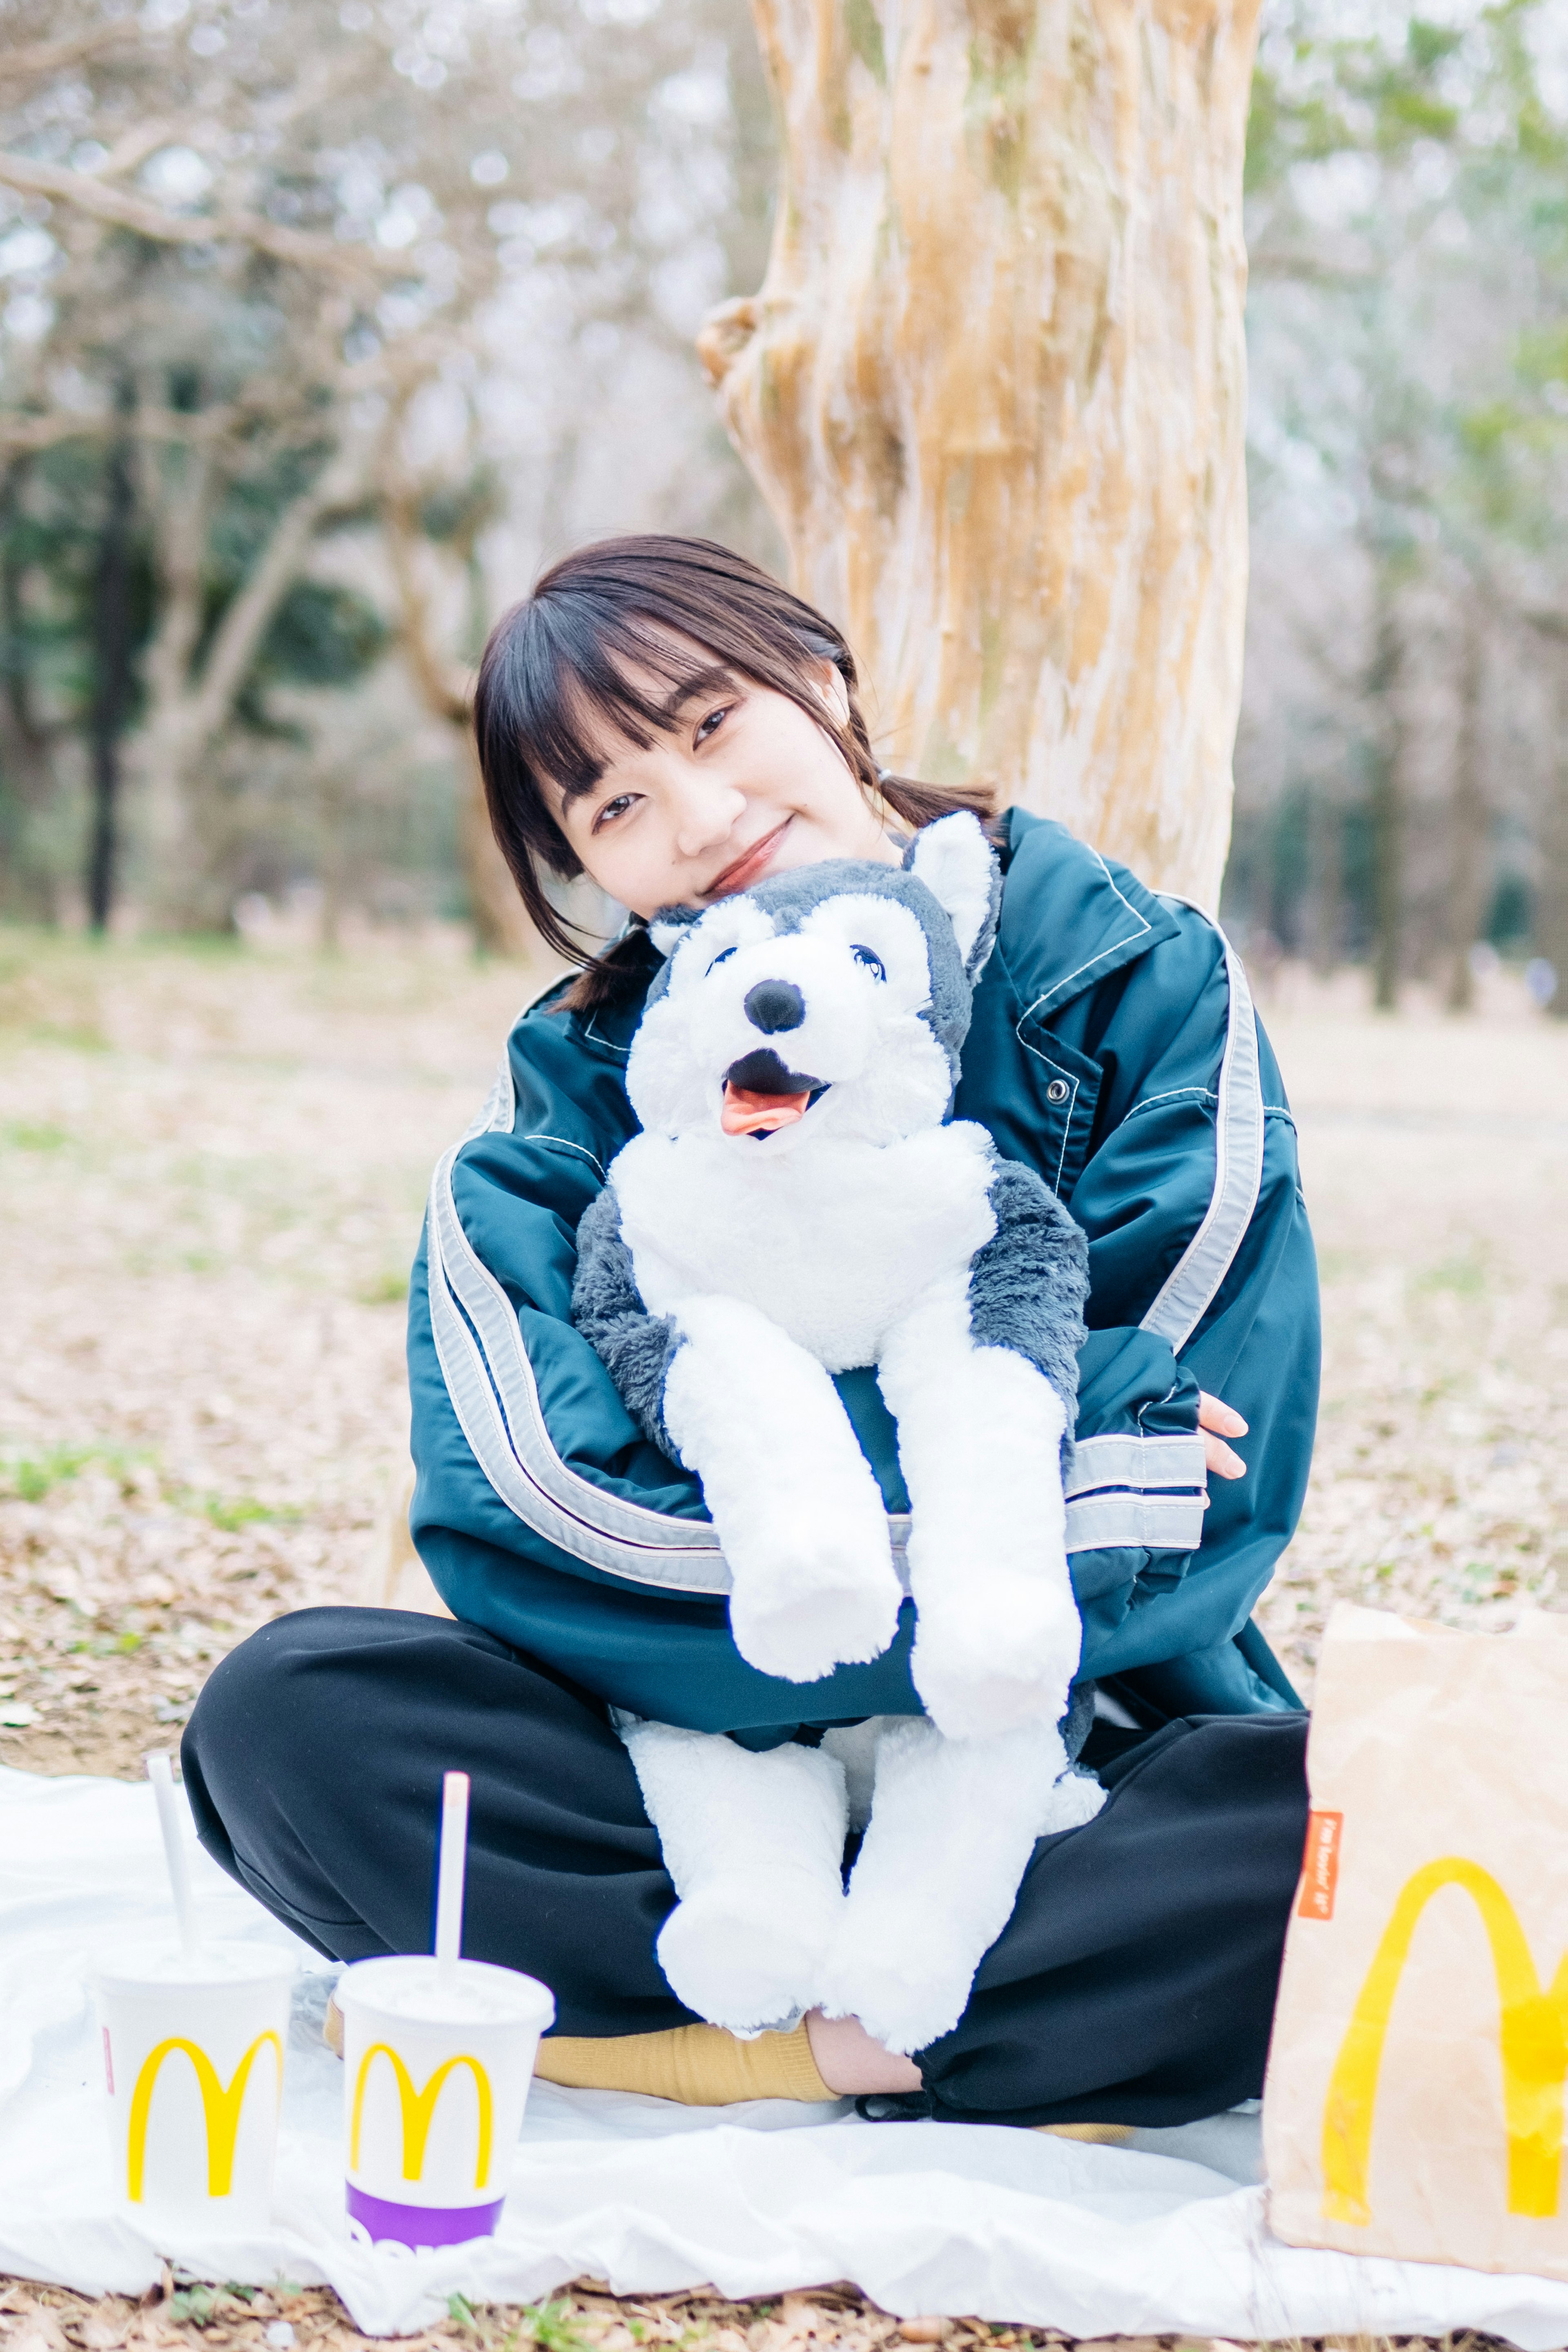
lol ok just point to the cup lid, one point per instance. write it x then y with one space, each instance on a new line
409 1985
159 1963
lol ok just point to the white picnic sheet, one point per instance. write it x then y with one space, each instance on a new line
1004 2224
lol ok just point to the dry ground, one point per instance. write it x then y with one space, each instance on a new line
212 1166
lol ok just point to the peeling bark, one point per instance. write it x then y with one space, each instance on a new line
992 390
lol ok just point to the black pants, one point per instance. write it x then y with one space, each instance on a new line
1134 1984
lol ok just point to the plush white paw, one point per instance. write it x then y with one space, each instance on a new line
749 1953
1005 1659
821 1601
897 1970
1075 1798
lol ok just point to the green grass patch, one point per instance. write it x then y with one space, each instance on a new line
33 1135
241 1511
28 1478
1465 1275
384 1290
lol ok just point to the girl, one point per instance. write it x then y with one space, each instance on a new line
663 718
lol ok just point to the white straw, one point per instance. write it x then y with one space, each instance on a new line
449 1877
163 1779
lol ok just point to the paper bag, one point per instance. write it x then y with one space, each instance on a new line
1414 2097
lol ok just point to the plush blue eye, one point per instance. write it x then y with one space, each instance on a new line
873 963
720 958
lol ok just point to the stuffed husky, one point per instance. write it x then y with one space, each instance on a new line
796 1204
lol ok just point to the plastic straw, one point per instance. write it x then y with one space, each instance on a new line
160 1773
449 1877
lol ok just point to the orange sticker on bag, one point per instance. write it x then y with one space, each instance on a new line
1321 1867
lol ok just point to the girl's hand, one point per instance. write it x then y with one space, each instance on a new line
1217 1422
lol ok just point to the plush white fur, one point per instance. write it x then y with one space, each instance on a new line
864 1230
998 1634
953 1824
754 1846
957 878
804 1531
842 1240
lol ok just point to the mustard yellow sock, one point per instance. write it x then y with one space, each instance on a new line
696 2065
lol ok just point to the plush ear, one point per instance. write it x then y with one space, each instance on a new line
666 929
959 867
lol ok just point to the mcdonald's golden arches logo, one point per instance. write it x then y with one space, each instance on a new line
1533 2040
221 2107
419 2109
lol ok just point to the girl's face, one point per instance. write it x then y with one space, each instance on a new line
742 785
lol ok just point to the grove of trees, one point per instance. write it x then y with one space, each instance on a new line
321 326
1403 762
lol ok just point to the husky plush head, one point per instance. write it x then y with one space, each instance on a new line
832 999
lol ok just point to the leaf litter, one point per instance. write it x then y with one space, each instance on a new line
212 1174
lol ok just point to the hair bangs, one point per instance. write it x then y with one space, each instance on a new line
599 670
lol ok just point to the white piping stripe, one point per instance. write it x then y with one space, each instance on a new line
1136 1522
1187 1294
479 1343
1146 1464
493 1391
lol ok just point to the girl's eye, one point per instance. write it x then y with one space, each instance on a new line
872 962
613 809
718 960
711 723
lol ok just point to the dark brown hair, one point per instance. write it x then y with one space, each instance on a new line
562 660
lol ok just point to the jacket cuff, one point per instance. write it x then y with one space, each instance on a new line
1139 1480
1130 1491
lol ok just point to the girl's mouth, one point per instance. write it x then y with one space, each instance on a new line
750 867
761 1096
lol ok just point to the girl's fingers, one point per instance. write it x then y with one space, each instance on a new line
1216 1415
1221 1460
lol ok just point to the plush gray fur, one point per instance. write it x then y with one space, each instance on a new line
1028 1286
637 1348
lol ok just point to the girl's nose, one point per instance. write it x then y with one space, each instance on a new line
706 813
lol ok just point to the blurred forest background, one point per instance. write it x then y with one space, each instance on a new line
324 327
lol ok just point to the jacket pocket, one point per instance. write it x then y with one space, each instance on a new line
1065 1086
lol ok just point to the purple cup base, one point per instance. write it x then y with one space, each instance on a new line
420 2226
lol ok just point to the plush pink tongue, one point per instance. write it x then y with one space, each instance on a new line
748 1113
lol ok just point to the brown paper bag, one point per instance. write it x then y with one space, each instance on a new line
1415 2099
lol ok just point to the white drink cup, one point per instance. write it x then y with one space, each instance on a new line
193 2061
436 2078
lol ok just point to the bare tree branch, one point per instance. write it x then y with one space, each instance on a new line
119 209
237 641
37 59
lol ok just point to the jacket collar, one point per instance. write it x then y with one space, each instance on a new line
1070 918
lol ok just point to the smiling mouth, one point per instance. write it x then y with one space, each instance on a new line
761 1096
744 870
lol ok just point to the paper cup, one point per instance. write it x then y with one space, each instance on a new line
434 2084
192 2063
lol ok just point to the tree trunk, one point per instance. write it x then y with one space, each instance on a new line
994 385
1385 799
501 921
1326 828
1469 866
1551 924
190 704
111 667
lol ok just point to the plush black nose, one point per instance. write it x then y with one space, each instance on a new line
774 1004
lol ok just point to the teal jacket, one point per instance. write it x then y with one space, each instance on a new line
1115 1050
